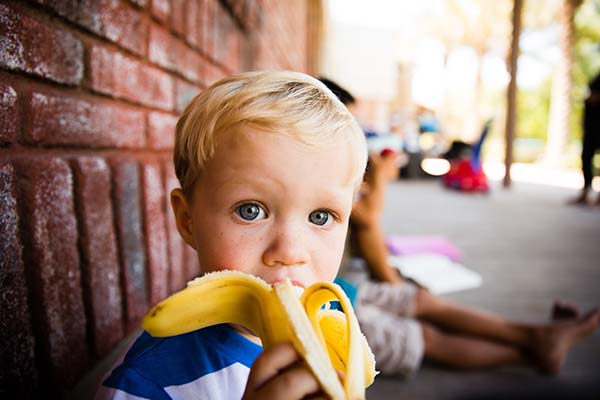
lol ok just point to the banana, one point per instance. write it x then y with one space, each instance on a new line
326 339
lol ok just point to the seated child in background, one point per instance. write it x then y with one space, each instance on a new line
404 322
269 163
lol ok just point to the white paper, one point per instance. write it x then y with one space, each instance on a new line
436 272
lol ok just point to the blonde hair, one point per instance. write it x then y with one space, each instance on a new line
289 103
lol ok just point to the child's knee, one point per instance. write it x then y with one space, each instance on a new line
425 302
431 336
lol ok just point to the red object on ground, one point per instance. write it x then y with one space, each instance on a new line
463 176
387 152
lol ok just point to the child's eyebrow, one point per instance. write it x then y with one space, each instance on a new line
246 184
336 199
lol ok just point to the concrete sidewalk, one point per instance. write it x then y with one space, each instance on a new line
531 249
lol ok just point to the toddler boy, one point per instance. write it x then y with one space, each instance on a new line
268 164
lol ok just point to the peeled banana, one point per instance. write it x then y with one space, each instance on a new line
326 339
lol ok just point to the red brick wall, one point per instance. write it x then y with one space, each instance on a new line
89 96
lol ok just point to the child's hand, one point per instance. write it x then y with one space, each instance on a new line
279 374
384 166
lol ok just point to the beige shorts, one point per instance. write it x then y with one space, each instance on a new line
384 313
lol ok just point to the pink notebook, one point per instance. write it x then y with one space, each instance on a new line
418 244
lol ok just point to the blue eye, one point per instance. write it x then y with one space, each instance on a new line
320 217
251 212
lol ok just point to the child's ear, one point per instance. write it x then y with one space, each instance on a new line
183 215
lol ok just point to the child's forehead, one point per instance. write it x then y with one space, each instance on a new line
274 139
271 141
261 150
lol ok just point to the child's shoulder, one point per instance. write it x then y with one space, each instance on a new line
158 367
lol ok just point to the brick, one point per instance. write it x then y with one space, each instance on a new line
140 3
246 53
226 42
161 130
177 272
116 21
162 49
218 28
127 197
193 27
114 74
9 114
213 73
37 48
156 235
237 8
232 59
172 53
161 9
65 120
18 375
184 94
98 245
178 16
253 15
207 23
192 66
52 260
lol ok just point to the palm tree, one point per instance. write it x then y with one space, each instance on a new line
511 96
480 26
560 102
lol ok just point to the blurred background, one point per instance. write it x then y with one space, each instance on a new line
447 61
90 92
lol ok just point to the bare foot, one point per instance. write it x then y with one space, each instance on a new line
579 200
552 343
562 310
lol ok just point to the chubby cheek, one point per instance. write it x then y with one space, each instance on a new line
331 257
219 250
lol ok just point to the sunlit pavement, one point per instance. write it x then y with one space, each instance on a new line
531 248
539 174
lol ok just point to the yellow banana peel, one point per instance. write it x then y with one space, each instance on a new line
326 339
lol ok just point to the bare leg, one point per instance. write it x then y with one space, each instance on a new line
582 199
548 345
587 156
468 352
470 321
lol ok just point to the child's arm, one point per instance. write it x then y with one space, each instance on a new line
381 170
278 374
365 216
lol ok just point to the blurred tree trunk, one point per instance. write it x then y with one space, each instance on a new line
511 96
559 122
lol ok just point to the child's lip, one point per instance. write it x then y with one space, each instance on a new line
298 283
292 281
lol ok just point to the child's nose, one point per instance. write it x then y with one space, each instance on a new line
286 248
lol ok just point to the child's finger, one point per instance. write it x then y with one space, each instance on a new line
270 363
294 383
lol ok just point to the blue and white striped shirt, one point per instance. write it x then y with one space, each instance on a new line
210 363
